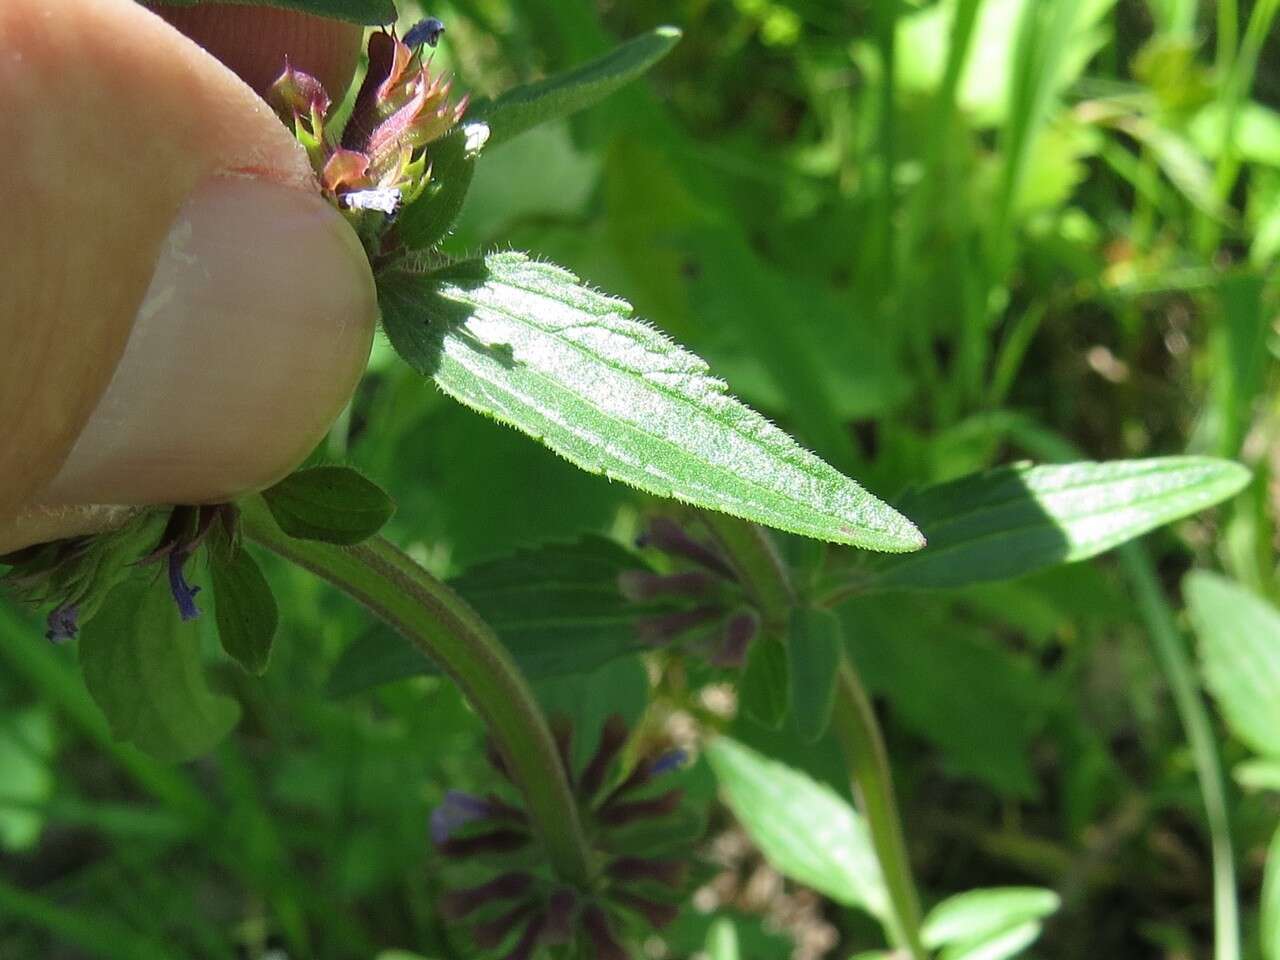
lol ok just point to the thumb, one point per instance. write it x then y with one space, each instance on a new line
151 185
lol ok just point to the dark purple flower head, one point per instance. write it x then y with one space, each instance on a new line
561 913
183 593
461 903
603 941
665 627
740 628
639 586
458 809
666 535
63 623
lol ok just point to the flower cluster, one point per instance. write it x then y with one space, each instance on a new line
376 162
714 617
75 576
521 908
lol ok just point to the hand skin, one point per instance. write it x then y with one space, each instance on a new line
182 315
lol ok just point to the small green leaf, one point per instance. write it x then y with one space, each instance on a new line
527 344
763 690
803 828
1000 946
331 503
983 915
722 940
142 665
1014 520
427 220
1260 773
245 608
353 11
28 746
813 655
1269 922
521 108
556 608
1239 636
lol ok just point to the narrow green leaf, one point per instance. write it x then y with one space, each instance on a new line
1259 773
722 940
813 653
353 11
1001 946
1269 920
803 828
984 914
1014 520
1239 635
427 220
142 665
244 607
556 608
763 690
520 108
331 503
527 344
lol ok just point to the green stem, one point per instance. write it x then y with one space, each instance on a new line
762 572
767 582
1237 70
440 624
1176 665
855 724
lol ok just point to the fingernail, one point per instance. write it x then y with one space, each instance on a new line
251 338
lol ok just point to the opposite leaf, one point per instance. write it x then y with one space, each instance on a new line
763 691
1239 636
333 504
524 107
556 608
427 220
813 657
529 345
979 916
353 11
142 665
1015 520
245 608
803 828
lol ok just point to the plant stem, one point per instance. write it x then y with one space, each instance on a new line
768 583
1176 665
855 724
441 625
762 572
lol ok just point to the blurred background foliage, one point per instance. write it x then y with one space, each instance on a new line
925 238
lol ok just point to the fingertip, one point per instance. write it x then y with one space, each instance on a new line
250 340
255 41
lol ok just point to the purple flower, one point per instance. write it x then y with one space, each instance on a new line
458 809
671 760
665 627
666 535
639 586
740 629
508 886
184 595
63 623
